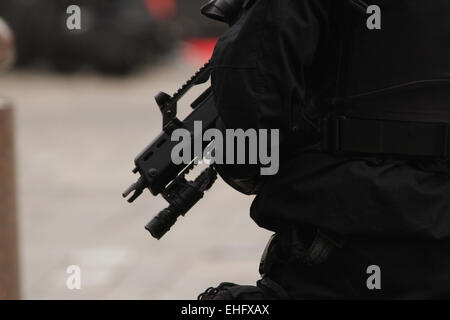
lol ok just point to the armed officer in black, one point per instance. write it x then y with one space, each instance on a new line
364 119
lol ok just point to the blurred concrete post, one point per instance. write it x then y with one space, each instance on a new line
9 261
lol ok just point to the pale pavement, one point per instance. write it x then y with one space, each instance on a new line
77 136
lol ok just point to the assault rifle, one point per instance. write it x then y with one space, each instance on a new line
154 164
157 171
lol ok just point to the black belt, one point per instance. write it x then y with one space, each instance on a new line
418 140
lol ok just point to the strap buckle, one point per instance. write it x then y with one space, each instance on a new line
331 134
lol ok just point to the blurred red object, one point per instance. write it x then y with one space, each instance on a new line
198 50
162 9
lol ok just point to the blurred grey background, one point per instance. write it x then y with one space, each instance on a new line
82 113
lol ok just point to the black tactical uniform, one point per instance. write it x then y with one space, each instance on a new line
363 114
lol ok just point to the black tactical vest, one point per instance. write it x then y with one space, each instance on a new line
401 71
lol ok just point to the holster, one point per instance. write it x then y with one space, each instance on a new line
289 246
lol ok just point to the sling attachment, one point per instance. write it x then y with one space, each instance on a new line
386 138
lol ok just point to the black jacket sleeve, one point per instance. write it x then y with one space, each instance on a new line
261 65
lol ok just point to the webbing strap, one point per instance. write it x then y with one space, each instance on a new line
347 136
